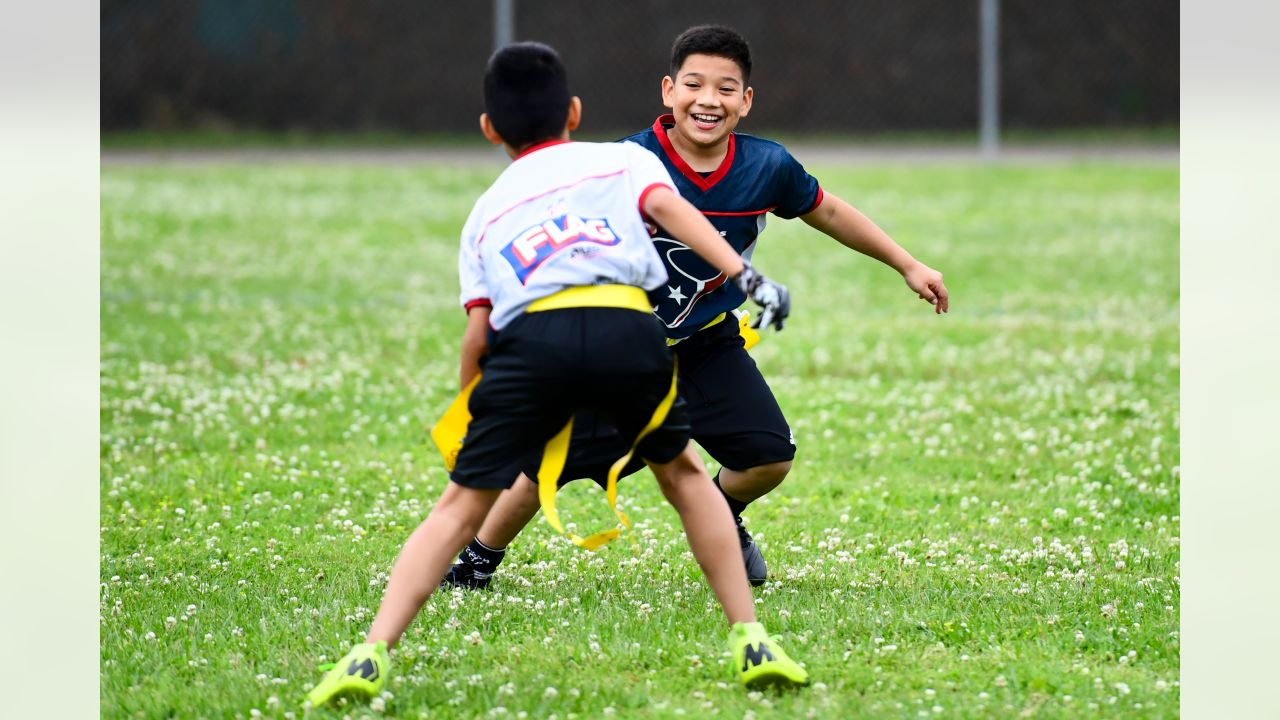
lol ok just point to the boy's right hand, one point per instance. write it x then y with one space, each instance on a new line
927 284
773 298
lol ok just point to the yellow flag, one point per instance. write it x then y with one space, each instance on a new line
452 426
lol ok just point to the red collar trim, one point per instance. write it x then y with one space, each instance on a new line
539 146
705 183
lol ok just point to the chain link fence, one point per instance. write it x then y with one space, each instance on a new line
828 66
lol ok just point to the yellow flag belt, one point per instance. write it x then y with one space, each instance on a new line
449 432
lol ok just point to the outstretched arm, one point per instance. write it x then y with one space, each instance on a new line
851 228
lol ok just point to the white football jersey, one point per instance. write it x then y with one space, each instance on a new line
563 214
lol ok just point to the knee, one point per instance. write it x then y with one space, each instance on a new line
770 473
672 475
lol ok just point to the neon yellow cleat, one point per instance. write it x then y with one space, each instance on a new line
761 662
360 674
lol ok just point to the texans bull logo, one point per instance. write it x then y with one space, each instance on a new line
692 280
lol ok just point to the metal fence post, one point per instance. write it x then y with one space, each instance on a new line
989 77
504 23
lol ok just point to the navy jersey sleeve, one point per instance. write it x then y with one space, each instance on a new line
796 192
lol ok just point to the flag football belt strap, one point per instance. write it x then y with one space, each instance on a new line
615 296
449 432
557 449
553 459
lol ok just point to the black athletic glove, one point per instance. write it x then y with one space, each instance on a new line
773 299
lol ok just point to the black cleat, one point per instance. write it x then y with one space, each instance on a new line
757 571
465 576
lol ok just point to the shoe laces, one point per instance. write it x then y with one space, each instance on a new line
744 537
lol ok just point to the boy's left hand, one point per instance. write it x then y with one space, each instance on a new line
927 284
773 298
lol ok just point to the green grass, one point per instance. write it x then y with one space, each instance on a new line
982 520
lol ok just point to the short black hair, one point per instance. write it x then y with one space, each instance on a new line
526 93
717 40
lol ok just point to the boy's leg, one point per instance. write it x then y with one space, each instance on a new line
759 659
640 382
742 487
362 672
735 418
516 506
426 555
593 448
768 476
709 526
515 408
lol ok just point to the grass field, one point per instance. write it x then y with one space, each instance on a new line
982 520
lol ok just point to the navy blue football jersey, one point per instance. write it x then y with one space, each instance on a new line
757 177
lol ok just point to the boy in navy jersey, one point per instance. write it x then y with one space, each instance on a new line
555 261
736 181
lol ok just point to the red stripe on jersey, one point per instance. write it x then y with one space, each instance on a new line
645 193
539 146
817 201
478 302
738 214
705 183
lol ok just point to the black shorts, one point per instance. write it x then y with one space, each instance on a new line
732 413
543 367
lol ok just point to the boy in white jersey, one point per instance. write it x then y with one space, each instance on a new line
555 260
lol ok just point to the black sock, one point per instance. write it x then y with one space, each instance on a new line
481 556
736 506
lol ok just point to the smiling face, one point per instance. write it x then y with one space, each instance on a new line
707 97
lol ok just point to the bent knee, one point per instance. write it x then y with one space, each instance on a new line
774 471
683 466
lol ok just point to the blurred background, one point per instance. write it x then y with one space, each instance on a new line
826 67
